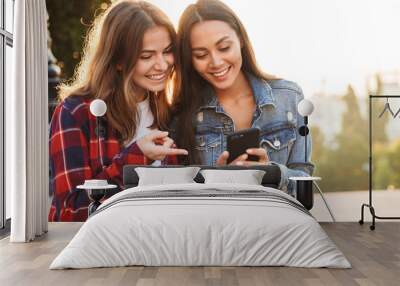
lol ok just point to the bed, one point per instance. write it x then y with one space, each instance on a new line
200 224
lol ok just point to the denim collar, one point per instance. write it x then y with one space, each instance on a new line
262 92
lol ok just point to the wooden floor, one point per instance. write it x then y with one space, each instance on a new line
374 255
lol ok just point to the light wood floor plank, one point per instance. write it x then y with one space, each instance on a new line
374 255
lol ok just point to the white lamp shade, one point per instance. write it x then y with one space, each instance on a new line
305 107
98 107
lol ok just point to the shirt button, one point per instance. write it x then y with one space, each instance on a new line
202 142
290 116
200 117
277 143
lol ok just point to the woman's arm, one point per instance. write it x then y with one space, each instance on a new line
70 166
70 163
296 165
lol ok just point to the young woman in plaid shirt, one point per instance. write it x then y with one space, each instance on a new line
128 61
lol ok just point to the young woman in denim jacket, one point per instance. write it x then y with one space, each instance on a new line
221 90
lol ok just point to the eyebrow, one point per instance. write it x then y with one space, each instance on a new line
153 51
217 43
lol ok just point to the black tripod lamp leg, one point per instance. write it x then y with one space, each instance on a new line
372 210
93 207
361 221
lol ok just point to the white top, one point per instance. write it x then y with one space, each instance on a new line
305 178
146 119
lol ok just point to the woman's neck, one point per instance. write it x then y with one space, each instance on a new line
238 102
141 94
239 89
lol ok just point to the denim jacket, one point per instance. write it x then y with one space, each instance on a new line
278 120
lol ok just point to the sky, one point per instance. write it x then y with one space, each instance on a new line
321 45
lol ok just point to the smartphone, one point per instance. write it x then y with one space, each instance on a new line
239 142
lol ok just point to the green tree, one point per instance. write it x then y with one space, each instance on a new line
394 163
346 165
382 171
68 23
320 158
317 143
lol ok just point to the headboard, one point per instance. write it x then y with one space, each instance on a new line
271 178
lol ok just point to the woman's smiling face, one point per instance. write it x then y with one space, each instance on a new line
216 53
156 60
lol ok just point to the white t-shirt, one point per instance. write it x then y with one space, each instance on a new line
146 119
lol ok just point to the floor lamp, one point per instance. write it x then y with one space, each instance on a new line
304 184
96 189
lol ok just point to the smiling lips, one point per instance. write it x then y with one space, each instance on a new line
220 74
157 77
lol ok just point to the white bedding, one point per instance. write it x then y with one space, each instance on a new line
233 230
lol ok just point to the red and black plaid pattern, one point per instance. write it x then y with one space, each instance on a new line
74 158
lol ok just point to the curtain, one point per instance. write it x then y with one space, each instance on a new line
26 124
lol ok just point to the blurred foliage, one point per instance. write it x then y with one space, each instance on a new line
68 23
345 167
381 166
393 158
386 165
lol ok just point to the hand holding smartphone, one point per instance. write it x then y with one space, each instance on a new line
239 142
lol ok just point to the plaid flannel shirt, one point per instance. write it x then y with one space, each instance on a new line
74 158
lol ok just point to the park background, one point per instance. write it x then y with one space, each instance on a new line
339 52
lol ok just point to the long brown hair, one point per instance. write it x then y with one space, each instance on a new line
116 39
189 84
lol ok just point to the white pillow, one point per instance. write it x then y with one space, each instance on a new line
249 177
163 176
